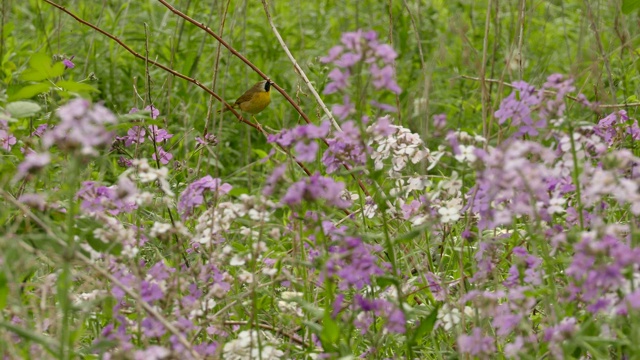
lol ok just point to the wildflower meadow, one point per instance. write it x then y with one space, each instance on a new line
430 180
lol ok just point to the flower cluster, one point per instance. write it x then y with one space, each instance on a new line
521 106
193 195
248 346
316 187
214 223
361 47
303 138
82 127
113 200
397 142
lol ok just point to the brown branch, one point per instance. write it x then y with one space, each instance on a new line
259 72
199 84
154 63
298 69
238 55
173 72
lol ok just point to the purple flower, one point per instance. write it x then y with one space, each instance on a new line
82 126
35 201
152 327
164 156
383 106
476 344
353 263
158 134
396 322
348 60
193 195
7 140
337 305
384 78
339 81
311 131
135 135
40 130
150 292
32 163
272 180
153 110
160 271
439 121
209 139
306 152
560 332
386 53
342 111
633 300
383 127
345 147
314 188
68 63
506 322
98 199
333 54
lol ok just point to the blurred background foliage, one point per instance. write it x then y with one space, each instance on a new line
438 43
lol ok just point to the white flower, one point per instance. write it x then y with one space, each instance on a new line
269 271
259 247
466 154
556 205
158 229
418 183
237 260
246 346
245 277
448 317
287 305
450 212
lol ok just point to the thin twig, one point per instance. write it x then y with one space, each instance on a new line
259 72
298 68
154 63
483 70
605 59
238 55
551 92
521 14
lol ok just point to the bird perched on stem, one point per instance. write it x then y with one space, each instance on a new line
255 99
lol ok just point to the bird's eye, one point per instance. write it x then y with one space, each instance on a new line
267 86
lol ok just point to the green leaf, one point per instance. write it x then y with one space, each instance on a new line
41 69
629 6
47 343
330 331
76 87
4 290
261 153
237 191
22 109
426 326
30 91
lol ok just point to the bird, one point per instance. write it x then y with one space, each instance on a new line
255 99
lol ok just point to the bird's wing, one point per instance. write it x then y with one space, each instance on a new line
245 97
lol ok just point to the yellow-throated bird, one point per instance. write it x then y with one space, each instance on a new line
255 99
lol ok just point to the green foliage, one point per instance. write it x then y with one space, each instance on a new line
441 47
